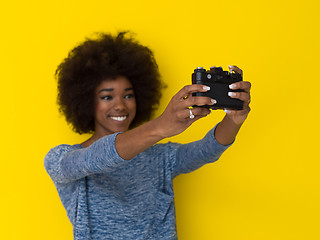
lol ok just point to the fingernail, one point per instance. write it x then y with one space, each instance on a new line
231 94
213 101
232 86
230 68
206 88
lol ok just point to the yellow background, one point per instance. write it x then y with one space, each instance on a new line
266 186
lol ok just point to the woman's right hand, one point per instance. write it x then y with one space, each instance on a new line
177 116
174 120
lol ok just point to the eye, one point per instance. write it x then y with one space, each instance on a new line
131 95
108 97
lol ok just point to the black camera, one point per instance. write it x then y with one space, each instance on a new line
218 81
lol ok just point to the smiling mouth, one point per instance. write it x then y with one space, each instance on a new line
118 118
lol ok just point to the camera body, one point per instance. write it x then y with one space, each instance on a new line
218 81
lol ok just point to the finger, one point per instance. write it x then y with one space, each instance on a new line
236 69
244 85
201 111
231 112
196 113
187 90
197 101
243 96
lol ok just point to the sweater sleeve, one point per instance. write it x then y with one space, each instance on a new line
66 163
194 155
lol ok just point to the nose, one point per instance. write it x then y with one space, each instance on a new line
119 104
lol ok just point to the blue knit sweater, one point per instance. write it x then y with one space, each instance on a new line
107 197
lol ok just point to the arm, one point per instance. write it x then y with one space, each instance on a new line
229 127
194 155
174 120
66 163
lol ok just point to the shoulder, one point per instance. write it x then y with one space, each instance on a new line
63 148
55 153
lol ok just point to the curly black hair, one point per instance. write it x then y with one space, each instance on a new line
96 60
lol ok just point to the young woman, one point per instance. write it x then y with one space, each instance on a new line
118 183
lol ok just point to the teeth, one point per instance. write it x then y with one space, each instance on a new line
119 118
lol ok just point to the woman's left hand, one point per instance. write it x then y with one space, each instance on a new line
239 116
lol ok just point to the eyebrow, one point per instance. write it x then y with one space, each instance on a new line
111 89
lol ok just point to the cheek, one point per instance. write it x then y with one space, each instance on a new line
100 108
97 108
134 106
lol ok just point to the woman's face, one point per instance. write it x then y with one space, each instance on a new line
115 106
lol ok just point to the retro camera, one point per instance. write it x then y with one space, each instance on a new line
218 81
